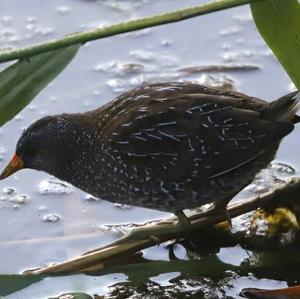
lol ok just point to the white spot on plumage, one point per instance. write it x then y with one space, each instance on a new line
154 136
166 124
168 135
123 142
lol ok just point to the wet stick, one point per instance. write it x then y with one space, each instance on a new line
126 246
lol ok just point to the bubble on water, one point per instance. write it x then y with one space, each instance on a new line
117 85
119 68
226 47
3 198
9 190
35 29
249 54
55 187
122 206
166 42
31 19
7 20
142 55
89 197
104 67
230 56
46 31
244 18
53 98
138 80
63 9
19 199
230 31
130 68
218 81
52 218
119 6
30 27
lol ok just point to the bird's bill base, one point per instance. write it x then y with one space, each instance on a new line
13 166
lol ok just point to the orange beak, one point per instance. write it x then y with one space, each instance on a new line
14 165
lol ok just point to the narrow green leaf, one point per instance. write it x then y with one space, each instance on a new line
14 282
132 25
22 81
278 21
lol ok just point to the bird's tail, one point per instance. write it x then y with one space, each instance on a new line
285 108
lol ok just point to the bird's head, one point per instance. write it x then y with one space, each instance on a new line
43 146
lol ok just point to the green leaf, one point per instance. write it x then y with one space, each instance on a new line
14 282
278 21
22 81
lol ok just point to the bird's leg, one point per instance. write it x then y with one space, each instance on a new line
183 220
228 218
221 208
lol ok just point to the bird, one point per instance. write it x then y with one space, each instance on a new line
165 146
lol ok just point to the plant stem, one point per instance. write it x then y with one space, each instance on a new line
82 37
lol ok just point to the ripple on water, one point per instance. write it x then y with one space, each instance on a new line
270 178
55 187
9 190
282 168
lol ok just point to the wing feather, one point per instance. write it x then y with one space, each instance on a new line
192 134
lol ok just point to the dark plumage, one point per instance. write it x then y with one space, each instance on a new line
168 146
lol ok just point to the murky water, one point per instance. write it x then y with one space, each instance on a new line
43 221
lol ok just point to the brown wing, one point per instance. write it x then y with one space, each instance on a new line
191 134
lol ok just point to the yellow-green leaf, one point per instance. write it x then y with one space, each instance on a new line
22 81
278 21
